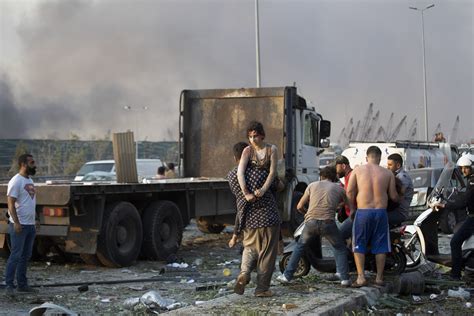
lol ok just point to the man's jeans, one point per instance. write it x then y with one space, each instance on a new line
329 230
464 232
21 249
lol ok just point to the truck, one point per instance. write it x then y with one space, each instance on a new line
114 224
415 154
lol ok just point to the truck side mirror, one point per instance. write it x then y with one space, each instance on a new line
324 129
325 143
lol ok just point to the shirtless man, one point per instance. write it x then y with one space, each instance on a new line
370 186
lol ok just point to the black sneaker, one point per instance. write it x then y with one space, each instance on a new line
26 289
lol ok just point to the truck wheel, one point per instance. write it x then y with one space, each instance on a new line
296 217
163 230
447 221
121 235
206 226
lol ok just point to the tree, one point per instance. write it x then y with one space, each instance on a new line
74 162
21 149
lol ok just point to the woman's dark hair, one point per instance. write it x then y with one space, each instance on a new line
255 126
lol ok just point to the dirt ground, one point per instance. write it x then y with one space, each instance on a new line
211 267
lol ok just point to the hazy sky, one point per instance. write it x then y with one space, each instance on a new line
72 65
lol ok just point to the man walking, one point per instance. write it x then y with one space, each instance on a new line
324 198
370 186
21 198
398 215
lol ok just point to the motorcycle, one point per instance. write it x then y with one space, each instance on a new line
414 239
312 256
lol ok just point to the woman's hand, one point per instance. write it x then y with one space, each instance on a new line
250 197
259 193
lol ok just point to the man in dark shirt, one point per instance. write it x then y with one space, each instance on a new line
259 222
462 201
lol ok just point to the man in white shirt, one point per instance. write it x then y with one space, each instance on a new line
21 198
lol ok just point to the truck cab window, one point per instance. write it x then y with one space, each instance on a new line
310 131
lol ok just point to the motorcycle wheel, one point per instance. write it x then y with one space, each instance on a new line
413 249
396 262
302 269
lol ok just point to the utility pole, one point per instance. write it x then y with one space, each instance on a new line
257 43
424 66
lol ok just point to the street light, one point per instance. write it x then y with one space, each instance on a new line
257 43
424 64
136 110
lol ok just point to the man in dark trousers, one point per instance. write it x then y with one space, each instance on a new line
462 201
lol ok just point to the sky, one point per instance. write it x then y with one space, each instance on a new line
71 66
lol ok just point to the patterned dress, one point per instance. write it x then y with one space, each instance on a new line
263 212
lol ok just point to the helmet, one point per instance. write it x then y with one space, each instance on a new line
466 160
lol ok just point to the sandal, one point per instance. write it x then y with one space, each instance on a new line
379 283
358 285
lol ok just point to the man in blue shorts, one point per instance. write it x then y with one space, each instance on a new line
370 186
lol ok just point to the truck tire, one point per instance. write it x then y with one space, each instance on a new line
163 230
206 226
296 217
121 235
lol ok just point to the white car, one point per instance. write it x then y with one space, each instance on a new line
146 168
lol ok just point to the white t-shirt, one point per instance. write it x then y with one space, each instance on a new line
23 189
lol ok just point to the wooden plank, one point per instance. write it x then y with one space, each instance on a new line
125 157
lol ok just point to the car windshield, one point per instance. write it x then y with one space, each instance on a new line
88 168
421 178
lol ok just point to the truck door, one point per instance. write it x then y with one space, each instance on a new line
307 158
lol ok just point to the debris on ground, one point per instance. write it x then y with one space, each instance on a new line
460 293
51 309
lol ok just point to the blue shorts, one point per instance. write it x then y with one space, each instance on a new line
370 228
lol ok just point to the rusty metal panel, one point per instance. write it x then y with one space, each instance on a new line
213 202
214 120
45 194
125 157
82 242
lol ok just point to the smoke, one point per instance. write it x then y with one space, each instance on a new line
33 115
90 59
10 119
83 61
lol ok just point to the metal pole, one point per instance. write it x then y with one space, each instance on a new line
424 76
257 43
136 140
425 94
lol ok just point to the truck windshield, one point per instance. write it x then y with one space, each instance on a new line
88 168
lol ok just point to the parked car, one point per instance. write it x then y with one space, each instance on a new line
424 180
146 168
97 176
